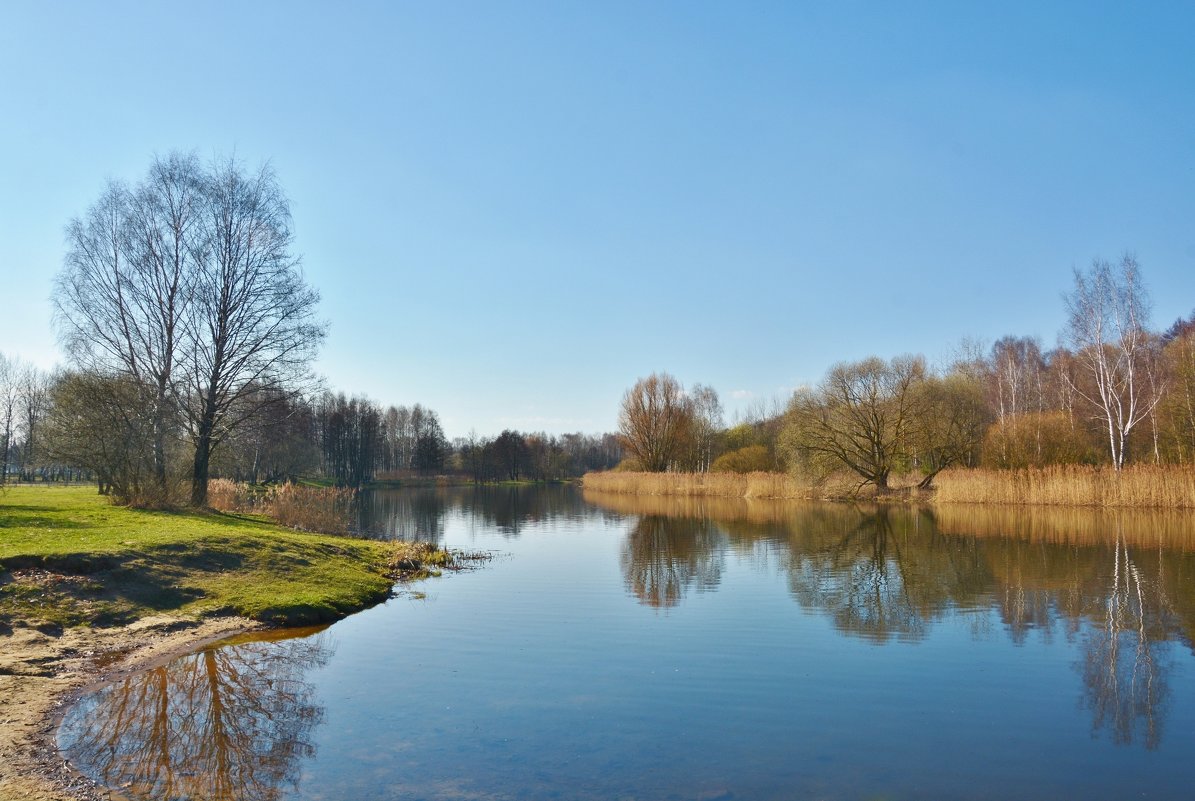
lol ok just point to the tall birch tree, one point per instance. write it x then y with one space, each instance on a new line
1107 327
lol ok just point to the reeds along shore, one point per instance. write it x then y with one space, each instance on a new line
327 510
1141 486
713 485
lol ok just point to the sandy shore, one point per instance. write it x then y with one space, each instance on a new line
40 673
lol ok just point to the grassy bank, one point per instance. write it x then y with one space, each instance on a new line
1138 486
69 558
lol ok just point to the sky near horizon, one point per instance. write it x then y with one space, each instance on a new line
513 210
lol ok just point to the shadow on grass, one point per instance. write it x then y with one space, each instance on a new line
29 519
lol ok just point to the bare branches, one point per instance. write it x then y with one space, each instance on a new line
656 421
252 324
186 285
1108 312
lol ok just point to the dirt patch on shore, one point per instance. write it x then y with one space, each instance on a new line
40 670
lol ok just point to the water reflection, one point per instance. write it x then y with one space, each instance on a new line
1118 582
420 514
823 629
1125 672
229 723
882 575
415 515
663 557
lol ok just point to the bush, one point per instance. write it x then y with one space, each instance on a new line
751 459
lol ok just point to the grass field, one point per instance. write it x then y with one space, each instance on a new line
68 557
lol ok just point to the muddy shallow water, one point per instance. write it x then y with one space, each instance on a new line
645 648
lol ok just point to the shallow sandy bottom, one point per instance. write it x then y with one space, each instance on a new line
40 673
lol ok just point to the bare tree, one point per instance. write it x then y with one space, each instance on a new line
9 404
1108 314
656 421
127 284
35 402
252 324
861 416
708 422
951 421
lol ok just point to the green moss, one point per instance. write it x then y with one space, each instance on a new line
67 557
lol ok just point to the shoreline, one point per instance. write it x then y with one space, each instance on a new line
1144 487
90 592
42 674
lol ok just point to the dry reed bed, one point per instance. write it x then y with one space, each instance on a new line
715 485
328 510
1138 486
752 510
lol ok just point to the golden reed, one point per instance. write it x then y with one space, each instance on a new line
1139 486
714 485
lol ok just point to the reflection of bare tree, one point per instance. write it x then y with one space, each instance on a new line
225 724
886 575
662 557
1124 670
859 578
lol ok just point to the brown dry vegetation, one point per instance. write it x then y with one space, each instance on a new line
327 510
697 507
1136 486
742 485
1142 486
726 485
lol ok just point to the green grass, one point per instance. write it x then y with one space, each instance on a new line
68 557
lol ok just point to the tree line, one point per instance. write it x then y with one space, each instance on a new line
189 333
1113 392
63 425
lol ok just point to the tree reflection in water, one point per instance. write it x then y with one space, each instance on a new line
229 723
1124 669
883 574
663 557
1118 583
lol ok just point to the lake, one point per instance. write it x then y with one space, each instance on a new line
642 648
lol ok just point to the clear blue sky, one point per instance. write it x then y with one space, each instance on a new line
513 210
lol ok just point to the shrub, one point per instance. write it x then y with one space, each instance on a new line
751 459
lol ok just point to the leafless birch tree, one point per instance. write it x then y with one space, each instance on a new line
1108 314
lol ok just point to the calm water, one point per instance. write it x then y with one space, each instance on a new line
621 648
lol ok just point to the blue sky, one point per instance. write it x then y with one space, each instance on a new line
513 210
